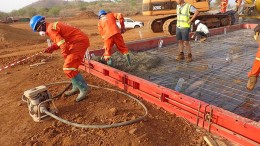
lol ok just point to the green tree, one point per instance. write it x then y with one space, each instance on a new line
133 3
55 11
43 11
21 12
31 11
3 15
82 7
14 13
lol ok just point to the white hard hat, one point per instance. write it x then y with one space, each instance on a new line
197 21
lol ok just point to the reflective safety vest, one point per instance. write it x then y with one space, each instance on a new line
183 15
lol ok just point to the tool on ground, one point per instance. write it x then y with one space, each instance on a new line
179 85
160 43
128 59
39 100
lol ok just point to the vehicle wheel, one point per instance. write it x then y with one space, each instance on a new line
137 26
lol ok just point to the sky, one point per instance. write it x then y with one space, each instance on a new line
9 5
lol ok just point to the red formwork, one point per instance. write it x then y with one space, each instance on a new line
216 120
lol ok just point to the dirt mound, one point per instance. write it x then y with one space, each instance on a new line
10 37
87 14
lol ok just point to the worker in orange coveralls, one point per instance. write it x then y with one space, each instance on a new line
73 44
112 35
254 73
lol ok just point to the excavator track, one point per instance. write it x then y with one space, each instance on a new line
168 24
251 9
156 25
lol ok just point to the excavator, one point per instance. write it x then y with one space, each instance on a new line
250 9
167 24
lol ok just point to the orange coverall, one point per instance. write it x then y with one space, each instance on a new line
111 33
256 66
72 42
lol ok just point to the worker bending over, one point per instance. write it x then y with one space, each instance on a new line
112 34
73 44
202 31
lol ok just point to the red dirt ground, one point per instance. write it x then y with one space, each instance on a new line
101 106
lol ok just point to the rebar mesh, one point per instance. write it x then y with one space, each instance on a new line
217 75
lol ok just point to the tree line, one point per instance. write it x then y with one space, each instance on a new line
56 8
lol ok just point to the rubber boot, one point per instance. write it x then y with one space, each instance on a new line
80 83
180 56
110 62
251 83
128 59
189 58
100 59
73 91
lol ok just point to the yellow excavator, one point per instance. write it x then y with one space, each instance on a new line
167 23
250 9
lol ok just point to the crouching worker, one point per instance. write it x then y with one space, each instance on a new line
254 73
73 44
112 35
202 31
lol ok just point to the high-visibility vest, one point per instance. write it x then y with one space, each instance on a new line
183 16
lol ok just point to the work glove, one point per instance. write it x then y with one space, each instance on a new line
51 48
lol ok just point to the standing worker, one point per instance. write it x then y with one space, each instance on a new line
112 34
183 27
73 44
202 31
254 73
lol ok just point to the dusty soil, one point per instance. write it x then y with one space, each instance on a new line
101 106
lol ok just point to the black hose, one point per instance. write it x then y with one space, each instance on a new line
62 91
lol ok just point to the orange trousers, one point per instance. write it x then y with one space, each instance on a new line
118 40
74 59
256 66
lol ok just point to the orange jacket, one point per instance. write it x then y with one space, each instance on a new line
258 53
65 36
107 25
255 71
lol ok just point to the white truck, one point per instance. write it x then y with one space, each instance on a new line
129 23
